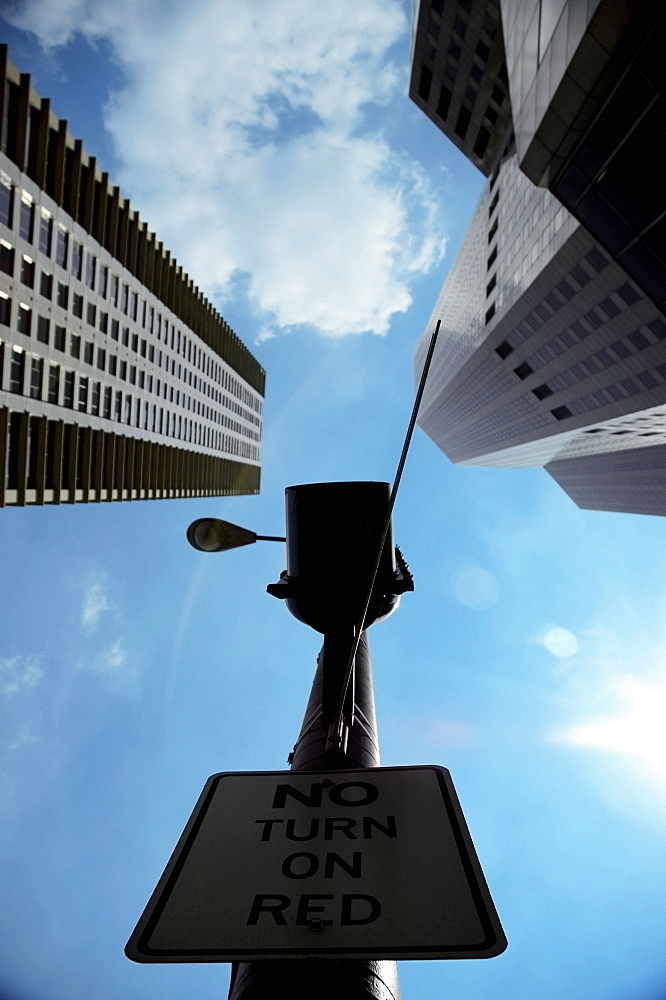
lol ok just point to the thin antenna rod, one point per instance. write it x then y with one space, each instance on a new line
270 538
336 728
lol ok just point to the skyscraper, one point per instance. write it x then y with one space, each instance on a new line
553 342
118 379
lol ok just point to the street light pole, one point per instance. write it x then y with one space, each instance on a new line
333 533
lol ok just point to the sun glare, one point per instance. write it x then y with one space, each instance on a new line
640 731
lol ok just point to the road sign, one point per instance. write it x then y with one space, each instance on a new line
374 863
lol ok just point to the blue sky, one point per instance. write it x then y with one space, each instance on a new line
273 149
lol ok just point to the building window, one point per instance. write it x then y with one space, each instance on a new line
132 374
83 393
107 403
490 312
46 284
54 383
75 345
114 289
118 407
134 306
103 280
115 327
524 370
6 201
91 314
425 82
88 351
462 124
45 233
491 259
125 336
27 271
36 375
62 297
492 231
101 358
6 258
43 329
62 245
124 299
26 218
24 320
77 305
491 285
94 400
16 371
113 362
104 322
91 270
542 391
135 342
77 259
68 390
59 338
561 412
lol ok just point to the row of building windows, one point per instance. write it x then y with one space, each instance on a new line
84 266
64 387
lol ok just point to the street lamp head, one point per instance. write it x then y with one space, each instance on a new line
210 534
333 536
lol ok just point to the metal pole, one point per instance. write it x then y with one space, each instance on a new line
324 979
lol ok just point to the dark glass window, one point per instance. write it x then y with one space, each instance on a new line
68 390
113 364
5 309
28 271
103 280
104 322
114 289
115 327
101 358
43 329
135 341
6 258
16 370
26 220
59 338
107 402
62 245
46 284
36 377
62 297
88 352
561 412
77 305
6 203
75 345
24 319
77 259
83 393
91 270
524 370
45 233
91 314
54 383
124 299
122 371
542 391
94 401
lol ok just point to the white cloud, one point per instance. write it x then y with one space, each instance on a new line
95 603
19 673
119 672
248 138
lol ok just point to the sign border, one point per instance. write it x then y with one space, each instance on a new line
493 943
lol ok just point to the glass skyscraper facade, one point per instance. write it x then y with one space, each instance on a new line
551 351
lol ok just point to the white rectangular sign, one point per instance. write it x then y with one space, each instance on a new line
374 863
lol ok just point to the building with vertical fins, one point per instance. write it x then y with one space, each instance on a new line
118 379
553 340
